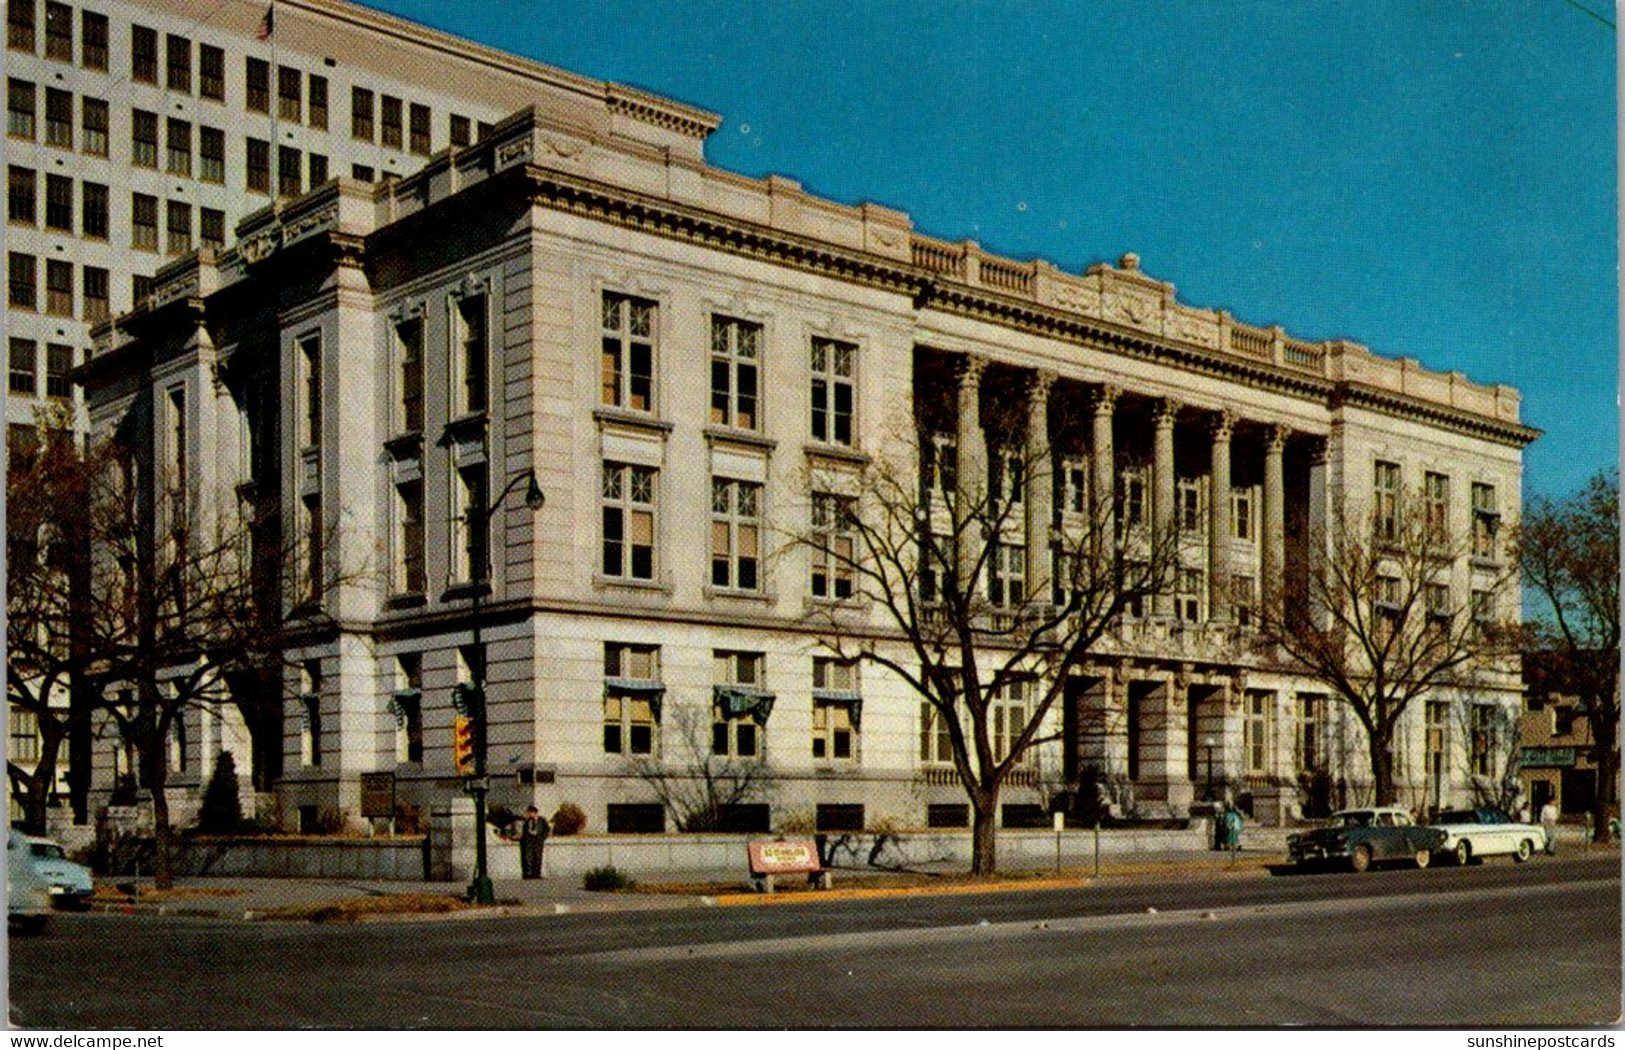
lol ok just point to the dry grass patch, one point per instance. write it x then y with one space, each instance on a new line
353 909
106 891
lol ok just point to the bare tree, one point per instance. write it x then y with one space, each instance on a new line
922 561
52 630
695 784
1570 554
1373 616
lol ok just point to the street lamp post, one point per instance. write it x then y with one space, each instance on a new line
1207 743
480 890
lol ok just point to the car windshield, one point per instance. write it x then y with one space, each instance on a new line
47 849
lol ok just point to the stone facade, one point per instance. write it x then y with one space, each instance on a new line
685 358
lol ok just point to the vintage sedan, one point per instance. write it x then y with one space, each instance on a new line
68 884
1472 834
1363 837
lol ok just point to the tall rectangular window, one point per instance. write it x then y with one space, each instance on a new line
470 360
1260 731
361 114
833 374
93 210
59 203
24 737
1436 505
1385 513
23 366
1241 514
628 352
1188 505
93 40
211 72
1485 729
735 534
59 118
318 169
459 131
628 503
211 154
409 350
407 705
289 94
93 126
289 177
211 231
22 274
258 168
20 25
1009 709
1007 575
632 692
58 31
257 77
310 362
179 147
473 497
21 187
835 699
58 363
833 553
178 226
1486 520
936 739
410 578
1131 502
735 348
98 305
736 732
144 222
1309 753
1433 753
177 63
418 129
20 109
1188 596
144 54
318 102
389 121
143 138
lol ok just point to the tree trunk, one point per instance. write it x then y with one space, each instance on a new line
984 859
163 858
1382 769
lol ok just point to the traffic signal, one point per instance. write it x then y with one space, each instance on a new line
462 745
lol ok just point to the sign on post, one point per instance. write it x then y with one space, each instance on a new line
377 795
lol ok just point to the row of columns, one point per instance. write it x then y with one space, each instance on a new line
973 465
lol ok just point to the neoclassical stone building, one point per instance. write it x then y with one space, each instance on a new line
695 365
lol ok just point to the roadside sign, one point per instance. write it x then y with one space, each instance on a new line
377 795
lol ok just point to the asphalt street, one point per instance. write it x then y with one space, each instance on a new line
1497 944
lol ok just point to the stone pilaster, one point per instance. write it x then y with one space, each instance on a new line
1220 427
1040 482
1162 500
1103 461
1273 545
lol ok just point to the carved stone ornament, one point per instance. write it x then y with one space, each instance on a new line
259 247
560 146
887 238
310 224
406 311
470 287
513 151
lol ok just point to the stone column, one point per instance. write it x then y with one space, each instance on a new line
1273 549
1218 541
1040 481
1162 500
970 445
1102 458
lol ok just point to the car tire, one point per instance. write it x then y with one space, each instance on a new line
1424 858
1464 852
1526 849
1360 859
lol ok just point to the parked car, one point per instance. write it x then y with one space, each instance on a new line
1472 834
28 895
66 883
1363 837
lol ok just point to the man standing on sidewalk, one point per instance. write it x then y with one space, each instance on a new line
1548 824
532 835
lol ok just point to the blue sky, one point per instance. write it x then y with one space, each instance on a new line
1432 178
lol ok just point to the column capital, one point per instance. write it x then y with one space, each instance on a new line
1163 411
1221 424
1275 435
1040 382
971 368
1103 398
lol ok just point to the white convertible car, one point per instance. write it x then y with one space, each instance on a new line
1474 833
